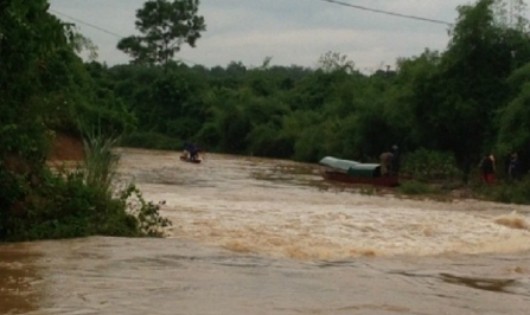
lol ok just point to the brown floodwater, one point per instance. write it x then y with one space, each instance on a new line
265 236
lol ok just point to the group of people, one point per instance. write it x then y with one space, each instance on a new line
488 168
390 161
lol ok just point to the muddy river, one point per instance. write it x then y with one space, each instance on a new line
263 236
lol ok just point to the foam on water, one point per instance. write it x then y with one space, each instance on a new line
259 214
231 207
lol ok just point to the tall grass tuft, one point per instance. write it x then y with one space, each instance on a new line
100 161
100 171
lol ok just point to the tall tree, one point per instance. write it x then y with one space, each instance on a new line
469 87
335 61
511 14
30 39
166 26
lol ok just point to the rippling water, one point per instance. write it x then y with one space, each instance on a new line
262 236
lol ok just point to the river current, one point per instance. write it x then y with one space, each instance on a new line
265 236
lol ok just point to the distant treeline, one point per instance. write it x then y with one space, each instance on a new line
469 100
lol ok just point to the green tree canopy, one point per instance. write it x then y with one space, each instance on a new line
165 26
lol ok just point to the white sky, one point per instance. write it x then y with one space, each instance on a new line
292 32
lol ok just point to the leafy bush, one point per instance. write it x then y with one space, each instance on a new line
146 214
510 192
426 165
413 187
151 140
44 86
76 203
65 206
100 161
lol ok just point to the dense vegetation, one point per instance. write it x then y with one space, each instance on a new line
444 109
45 89
462 103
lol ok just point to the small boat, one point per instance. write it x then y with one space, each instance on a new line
387 181
356 172
186 158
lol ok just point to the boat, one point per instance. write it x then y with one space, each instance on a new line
386 181
356 172
186 158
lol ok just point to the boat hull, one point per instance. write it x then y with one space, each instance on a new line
386 181
186 159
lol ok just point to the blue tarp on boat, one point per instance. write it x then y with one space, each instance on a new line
352 168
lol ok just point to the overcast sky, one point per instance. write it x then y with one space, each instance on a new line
291 32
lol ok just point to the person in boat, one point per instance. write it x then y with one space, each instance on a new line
191 151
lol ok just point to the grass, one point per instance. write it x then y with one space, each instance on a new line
100 161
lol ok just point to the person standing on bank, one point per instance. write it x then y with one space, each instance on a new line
395 160
386 163
514 167
487 168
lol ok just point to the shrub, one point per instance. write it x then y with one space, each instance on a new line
151 140
426 165
78 203
146 214
507 192
414 187
100 161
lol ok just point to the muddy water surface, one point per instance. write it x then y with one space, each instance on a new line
260 236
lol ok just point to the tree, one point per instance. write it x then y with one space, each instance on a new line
44 89
514 134
510 14
334 61
165 26
30 39
468 88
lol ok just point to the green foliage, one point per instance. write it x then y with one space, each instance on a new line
510 14
514 129
466 100
173 103
76 203
100 162
151 140
265 141
29 39
44 86
468 86
99 174
427 165
413 187
165 26
233 124
148 220
65 206
508 192
309 147
334 61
